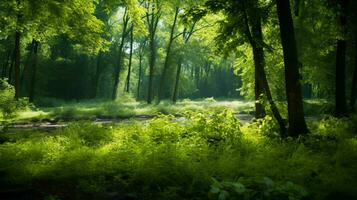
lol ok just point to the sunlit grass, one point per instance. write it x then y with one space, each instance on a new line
150 158
120 109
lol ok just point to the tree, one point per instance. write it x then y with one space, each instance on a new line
340 90
153 14
127 85
168 55
297 124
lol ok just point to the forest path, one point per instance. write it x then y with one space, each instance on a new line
50 125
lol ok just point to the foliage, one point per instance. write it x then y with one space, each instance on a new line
9 107
169 158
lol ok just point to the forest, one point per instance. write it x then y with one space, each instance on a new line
178 99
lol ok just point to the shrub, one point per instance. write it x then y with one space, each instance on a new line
9 107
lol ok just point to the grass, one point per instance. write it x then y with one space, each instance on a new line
118 109
208 156
90 110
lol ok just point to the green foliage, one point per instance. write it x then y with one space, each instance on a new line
253 188
9 107
170 158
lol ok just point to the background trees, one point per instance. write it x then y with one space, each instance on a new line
169 50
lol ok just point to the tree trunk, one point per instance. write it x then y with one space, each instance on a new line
167 58
297 124
98 71
354 82
141 54
340 95
34 71
258 57
6 64
153 22
27 63
340 90
152 62
11 69
120 56
17 64
127 88
177 81
261 83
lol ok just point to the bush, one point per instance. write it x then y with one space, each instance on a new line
9 107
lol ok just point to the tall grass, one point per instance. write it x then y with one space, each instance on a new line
208 156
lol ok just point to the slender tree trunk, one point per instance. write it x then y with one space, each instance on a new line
261 83
127 88
258 57
297 124
153 22
120 56
354 82
177 81
152 62
17 64
34 72
167 58
98 71
6 64
141 54
340 96
27 63
11 69
340 90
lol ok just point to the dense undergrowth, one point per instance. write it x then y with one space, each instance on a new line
202 156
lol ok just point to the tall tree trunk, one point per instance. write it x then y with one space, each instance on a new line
340 90
297 124
152 62
6 64
120 56
153 22
340 95
354 81
28 61
261 82
258 57
98 71
11 68
186 36
167 58
141 54
34 72
17 64
127 88
177 81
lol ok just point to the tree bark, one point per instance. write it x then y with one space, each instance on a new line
255 38
297 124
340 82
17 64
167 58
27 63
354 82
141 54
127 88
153 22
120 56
6 64
258 57
34 72
177 81
340 93
98 71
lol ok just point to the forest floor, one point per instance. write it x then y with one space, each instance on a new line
198 150
61 115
